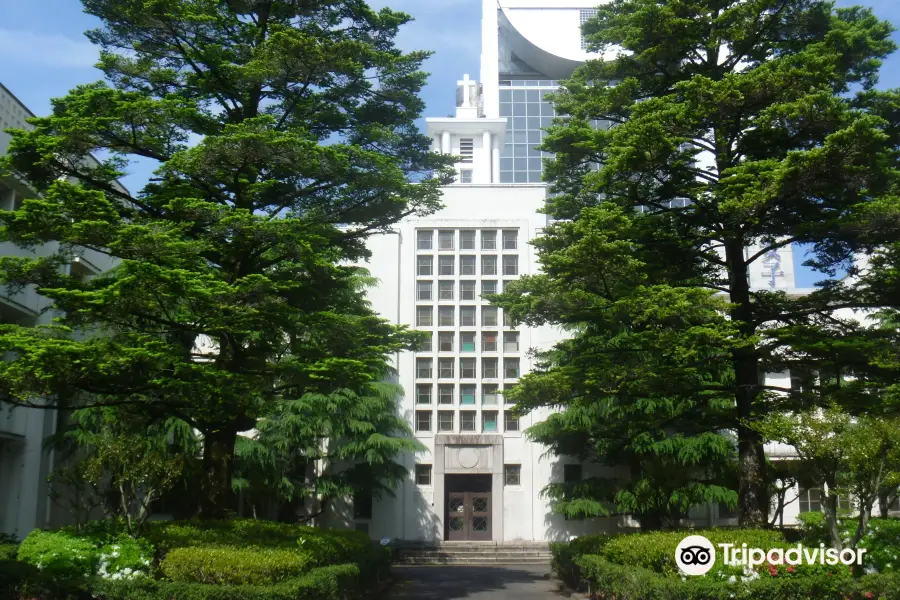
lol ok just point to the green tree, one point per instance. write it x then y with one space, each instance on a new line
321 447
285 135
736 129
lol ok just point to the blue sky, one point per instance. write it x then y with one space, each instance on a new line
43 54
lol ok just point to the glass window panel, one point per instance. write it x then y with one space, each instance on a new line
445 240
520 150
445 394
445 368
489 316
424 315
467 369
467 265
506 177
510 239
488 240
519 110
489 395
423 290
489 368
445 421
467 316
423 474
505 95
424 239
535 164
445 290
534 137
489 420
512 474
467 420
488 287
535 123
467 290
489 341
510 265
467 239
533 109
510 368
534 176
510 422
488 265
532 96
446 265
521 164
424 265
511 341
445 341
467 341
423 420
446 316
506 164
426 343
424 368
467 394
519 96
423 394
506 388
520 123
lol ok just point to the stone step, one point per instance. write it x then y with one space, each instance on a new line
480 554
456 560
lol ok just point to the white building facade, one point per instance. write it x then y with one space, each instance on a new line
480 479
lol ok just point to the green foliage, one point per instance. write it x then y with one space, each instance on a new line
338 582
8 551
60 557
125 557
627 582
233 566
16 579
565 553
881 540
285 135
728 130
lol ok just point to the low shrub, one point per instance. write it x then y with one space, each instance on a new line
234 566
8 551
124 557
59 556
625 582
881 540
564 554
16 579
337 582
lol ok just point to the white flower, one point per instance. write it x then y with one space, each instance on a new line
732 579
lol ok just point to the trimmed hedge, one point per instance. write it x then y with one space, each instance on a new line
233 566
338 582
564 555
621 582
881 540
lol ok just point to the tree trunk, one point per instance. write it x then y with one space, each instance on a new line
883 504
834 531
216 494
753 497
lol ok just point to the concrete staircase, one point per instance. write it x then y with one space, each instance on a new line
475 553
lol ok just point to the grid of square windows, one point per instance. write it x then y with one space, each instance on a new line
470 357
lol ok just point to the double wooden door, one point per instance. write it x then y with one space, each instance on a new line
469 516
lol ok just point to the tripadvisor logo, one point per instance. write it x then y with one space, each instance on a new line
696 555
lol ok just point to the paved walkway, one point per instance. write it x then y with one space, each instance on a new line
506 582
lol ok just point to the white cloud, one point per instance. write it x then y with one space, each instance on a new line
29 48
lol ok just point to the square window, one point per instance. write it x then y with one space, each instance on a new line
424 316
510 368
511 422
467 239
445 368
508 388
489 421
445 394
446 316
467 368
512 474
445 290
445 421
489 341
467 265
465 175
423 394
510 341
467 341
424 368
510 239
423 420
488 240
488 287
423 474
510 265
467 420
466 290
488 265
362 505
508 322
467 394
424 240
423 290
489 394
447 265
445 240
425 264
445 341
467 316
427 344
489 316
489 369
